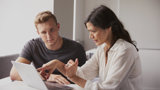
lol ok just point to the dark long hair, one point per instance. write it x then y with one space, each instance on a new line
103 17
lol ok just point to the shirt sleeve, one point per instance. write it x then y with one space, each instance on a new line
81 55
90 69
122 64
27 51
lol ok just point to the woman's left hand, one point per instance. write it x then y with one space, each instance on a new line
71 68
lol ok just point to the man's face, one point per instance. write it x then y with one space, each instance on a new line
48 31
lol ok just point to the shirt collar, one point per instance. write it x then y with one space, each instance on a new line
116 45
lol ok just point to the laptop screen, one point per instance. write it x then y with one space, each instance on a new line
31 77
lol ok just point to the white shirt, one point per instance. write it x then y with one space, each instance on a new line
122 71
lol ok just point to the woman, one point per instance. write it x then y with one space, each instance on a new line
116 62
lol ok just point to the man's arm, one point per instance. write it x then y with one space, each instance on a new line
13 73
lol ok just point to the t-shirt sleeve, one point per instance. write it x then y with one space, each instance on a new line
27 51
90 69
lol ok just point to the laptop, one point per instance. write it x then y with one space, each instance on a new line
31 77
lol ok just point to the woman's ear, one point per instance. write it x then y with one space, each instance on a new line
110 28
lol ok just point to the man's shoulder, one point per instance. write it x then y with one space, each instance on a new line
35 40
72 42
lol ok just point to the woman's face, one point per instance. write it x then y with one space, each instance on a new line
99 35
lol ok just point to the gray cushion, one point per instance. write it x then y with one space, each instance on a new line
5 64
90 52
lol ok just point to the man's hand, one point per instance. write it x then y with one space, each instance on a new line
13 73
58 78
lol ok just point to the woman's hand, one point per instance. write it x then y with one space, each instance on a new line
47 69
71 68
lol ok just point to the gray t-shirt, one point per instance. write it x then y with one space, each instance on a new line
36 52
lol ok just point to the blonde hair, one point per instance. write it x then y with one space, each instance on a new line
43 17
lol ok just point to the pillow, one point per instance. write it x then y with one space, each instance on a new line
90 52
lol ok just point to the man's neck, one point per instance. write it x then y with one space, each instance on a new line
57 45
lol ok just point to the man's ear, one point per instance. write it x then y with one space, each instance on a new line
58 26
37 31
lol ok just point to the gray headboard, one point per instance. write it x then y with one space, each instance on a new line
5 64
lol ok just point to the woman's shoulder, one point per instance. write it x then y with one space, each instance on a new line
122 45
100 49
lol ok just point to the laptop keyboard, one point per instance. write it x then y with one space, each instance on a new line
56 86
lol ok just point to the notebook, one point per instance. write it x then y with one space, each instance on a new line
31 77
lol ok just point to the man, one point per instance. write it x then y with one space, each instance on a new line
49 46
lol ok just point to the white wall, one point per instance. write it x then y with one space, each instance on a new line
142 20
78 22
17 22
63 10
150 67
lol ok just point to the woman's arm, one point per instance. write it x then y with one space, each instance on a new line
68 70
79 81
49 67
71 69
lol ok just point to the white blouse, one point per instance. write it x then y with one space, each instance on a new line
122 71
